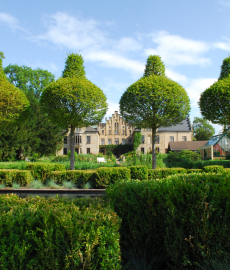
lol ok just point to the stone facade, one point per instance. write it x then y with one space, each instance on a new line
116 131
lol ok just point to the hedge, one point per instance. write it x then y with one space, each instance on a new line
78 177
108 176
139 172
42 171
187 217
22 177
214 169
58 233
164 172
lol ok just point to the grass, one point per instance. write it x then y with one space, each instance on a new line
15 186
36 184
87 186
51 184
68 184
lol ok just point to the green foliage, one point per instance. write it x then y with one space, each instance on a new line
165 103
182 156
107 176
33 132
225 68
202 130
77 177
157 174
214 169
42 171
36 184
136 140
58 233
21 177
117 149
214 102
139 172
12 100
75 155
194 170
187 217
154 66
74 67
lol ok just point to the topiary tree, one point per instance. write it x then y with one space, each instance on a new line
12 100
154 101
74 101
136 140
214 101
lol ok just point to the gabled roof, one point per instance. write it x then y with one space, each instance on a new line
181 145
90 129
185 125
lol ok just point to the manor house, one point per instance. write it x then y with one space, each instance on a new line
116 131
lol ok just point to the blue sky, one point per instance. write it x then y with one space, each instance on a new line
116 37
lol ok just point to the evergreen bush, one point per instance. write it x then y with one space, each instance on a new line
139 172
21 177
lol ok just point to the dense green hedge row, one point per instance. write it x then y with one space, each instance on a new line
99 178
58 233
186 217
22 177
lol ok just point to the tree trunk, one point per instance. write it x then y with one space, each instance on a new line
72 147
154 161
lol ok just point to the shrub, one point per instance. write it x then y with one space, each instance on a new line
76 176
21 177
60 159
42 171
58 233
108 176
183 155
214 169
164 172
194 170
139 172
185 216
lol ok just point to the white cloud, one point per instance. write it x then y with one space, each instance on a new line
112 108
176 50
176 76
9 20
196 86
222 45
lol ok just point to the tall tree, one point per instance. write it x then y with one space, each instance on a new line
154 101
73 101
34 131
12 100
202 129
214 101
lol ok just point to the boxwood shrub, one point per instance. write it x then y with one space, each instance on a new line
108 176
139 172
58 233
22 177
42 171
214 169
78 177
164 172
187 217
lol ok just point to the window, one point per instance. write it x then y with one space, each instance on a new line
142 139
109 141
157 149
88 139
65 151
78 129
130 131
142 150
78 139
88 150
102 131
116 141
130 141
77 150
123 141
109 131
65 140
171 138
116 132
102 141
157 139
123 132
184 138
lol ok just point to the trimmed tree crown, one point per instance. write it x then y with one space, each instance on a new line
225 68
74 67
154 66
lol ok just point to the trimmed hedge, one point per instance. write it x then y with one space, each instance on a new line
42 171
58 233
187 217
214 169
22 177
108 176
164 172
194 170
78 177
139 172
